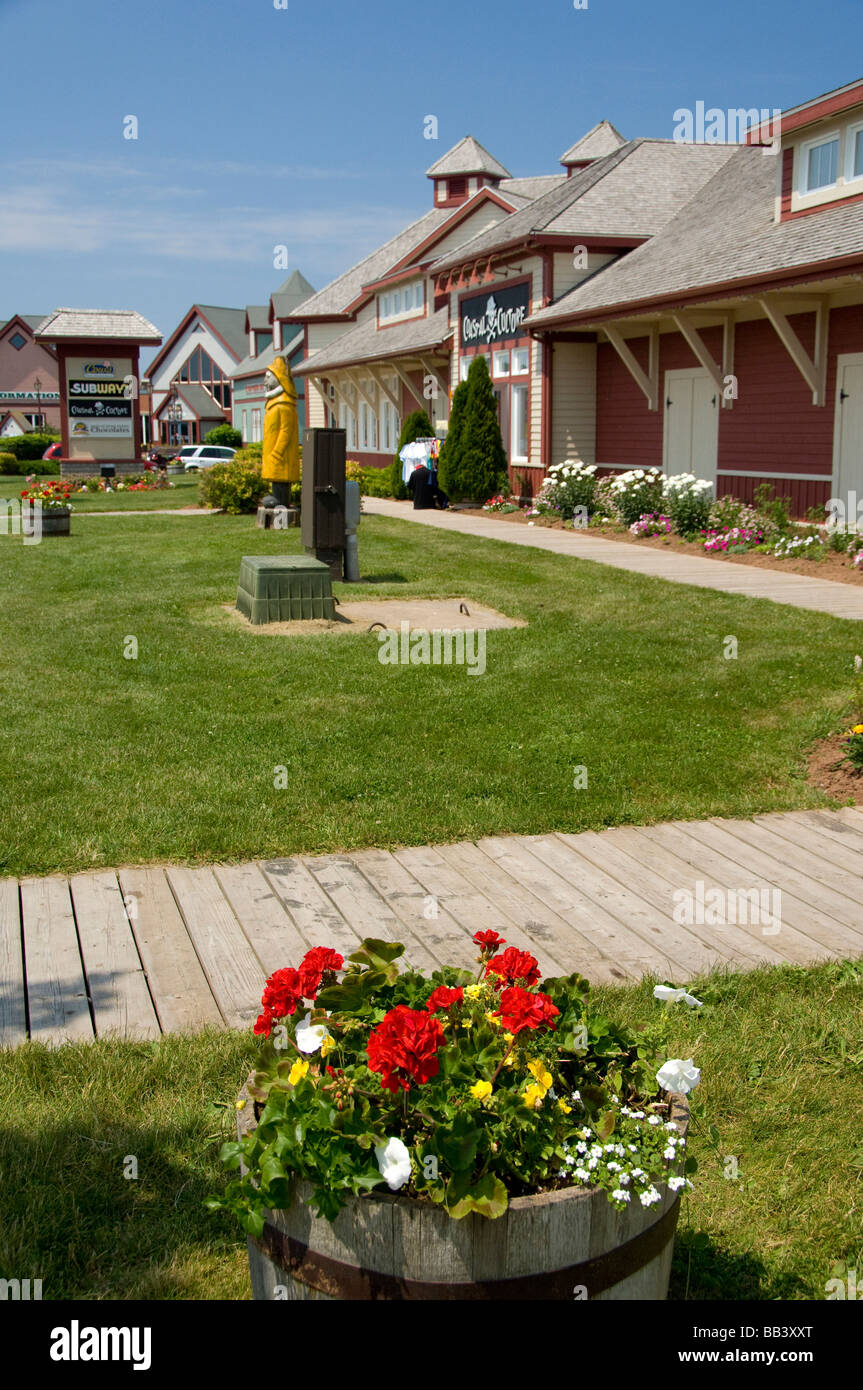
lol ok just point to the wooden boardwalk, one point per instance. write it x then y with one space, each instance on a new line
137 952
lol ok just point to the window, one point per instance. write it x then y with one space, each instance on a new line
854 154
501 364
520 361
518 416
402 303
857 166
463 368
256 426
18 341
822 164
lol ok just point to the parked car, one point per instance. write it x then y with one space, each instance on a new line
195 456
54 451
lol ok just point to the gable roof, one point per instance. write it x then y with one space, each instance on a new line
257 318
467 157
726 233
31 320
98 323
252 366
230 324
602 139
365 343
205 406
293 292
632 192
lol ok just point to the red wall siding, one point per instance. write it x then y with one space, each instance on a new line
787 181
773 426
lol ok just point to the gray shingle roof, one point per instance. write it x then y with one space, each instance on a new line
530 188
293 292
230 324
251 366
366 343
199 398
632 192
602 139
725 233
339 293
467 157
98 323
258 317
32 321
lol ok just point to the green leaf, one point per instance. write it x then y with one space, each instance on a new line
605 1126
231 1153
457 1144
488 1198
691 1164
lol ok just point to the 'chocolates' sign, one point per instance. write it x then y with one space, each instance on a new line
496 316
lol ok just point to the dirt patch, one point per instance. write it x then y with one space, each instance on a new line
358 615
830 775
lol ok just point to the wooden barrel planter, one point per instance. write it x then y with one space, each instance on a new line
55 521
570 1244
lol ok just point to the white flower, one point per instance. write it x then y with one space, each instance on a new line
670 996
676 1075
676 1183
310 1036
650 1197
582 1175
670 1152
394 1162
620 1195
613 1167
654 1120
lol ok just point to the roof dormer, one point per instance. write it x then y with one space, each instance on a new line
601 140
463 171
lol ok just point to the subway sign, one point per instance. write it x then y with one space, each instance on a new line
78 389
494 317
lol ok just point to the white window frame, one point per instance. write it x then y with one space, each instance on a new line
519 371
520 390
850 141
498 371
411 290
805 149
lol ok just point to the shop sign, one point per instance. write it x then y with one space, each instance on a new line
100 429
100 410
29 396
79 388
98 368
496 316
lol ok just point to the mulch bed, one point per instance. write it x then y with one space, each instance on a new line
829 566
831 776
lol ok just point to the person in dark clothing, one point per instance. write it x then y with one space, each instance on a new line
420 489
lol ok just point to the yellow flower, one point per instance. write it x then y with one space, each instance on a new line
533 1097
562 1105
493 1018
240 1104
858 729
509 1038
473 991
542 1075
480 1090
327 1045
509 1061
298 1071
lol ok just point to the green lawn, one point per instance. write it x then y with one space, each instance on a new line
781 1053
183 493
172 756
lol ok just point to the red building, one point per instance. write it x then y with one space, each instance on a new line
730 344
29 390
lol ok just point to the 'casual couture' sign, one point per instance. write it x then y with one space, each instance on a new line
495 317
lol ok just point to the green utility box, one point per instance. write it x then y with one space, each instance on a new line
284 588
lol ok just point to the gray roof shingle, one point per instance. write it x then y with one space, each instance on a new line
632 192
98 323
467 157
293 292
199 398
726 232
365 343
602 139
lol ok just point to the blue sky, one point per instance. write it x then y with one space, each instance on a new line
304 126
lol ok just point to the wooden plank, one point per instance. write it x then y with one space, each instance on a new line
179 988
13 999
316 918
834 891
470 907
232 969
360 904
806 932
586 868
835 848
851 815
446 940
830 824
545 929
56 989
654 861
119 996
268 927
604 930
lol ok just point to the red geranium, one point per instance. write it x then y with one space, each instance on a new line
520 1009
404 1046
488 940
313 966
443 998
264 1024
282 993
514 965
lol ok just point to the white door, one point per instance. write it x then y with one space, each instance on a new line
849 426
691 434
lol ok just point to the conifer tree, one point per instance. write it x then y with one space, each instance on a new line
449 464
482 458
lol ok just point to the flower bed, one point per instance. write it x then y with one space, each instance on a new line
462 1090
50 494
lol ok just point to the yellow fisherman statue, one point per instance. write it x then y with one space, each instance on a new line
281 458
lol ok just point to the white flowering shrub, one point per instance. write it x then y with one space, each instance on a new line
568 486
637 493
687 501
